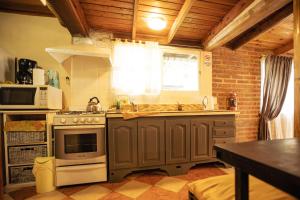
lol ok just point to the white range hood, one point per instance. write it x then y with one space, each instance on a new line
64 52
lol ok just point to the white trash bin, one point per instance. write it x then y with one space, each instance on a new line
44 172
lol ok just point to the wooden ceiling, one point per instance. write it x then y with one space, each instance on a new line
117 16
29 7
197 23
278 37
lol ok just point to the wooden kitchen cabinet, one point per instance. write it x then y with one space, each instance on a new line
178 140
122 143
172 144
151 142
201 139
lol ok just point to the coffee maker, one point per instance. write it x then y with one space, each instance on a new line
24 74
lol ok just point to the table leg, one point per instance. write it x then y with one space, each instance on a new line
241 185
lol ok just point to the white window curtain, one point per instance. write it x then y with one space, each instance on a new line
283 125
180 73
136 68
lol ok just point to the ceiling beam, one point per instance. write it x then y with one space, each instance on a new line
284 48
179 19
135 11
261 27
35 8
240 18
70 15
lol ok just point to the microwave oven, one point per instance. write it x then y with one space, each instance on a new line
14 96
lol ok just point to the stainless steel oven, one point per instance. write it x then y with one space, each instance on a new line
80 148
79 142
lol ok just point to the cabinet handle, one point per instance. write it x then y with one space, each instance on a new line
27 168
27 149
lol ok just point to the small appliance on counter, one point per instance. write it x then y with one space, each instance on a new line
19 97
38 76
53 78
25 70
80 147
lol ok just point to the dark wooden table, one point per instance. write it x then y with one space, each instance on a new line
276 162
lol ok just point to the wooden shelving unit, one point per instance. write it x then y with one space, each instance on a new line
18 172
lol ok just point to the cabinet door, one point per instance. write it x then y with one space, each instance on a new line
122 140
201 139
151 142
177 141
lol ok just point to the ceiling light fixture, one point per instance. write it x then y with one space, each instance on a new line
156 23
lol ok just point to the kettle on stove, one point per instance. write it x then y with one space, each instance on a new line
94 105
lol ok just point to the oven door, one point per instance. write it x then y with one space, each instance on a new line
79 142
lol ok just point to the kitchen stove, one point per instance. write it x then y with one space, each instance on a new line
79 117
80 147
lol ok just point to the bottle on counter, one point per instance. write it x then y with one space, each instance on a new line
232 101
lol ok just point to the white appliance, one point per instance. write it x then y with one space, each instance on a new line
17 96
80 148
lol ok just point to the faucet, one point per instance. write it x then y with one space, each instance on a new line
134 107
205 102
179 106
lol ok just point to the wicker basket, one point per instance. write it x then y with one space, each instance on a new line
21 174
23 137
25 154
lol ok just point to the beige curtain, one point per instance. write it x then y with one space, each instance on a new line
282 126
277 75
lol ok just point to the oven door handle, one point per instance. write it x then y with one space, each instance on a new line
78 127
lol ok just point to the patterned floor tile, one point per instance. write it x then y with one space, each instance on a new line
133 189
69 190
114 186
150 179
116 196
23 193
228 170
148 185
201 173
7 197
133 176
171 184
94 192
156 193
183 193
55 195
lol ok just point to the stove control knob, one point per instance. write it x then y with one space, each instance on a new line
96 119
75 120
89 120
82 120
63 120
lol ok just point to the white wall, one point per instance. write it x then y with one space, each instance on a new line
25 36
90 76
28 36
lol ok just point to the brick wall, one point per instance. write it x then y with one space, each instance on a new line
239 71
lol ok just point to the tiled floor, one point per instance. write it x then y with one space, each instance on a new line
152 185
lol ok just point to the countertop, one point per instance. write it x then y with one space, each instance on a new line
175 113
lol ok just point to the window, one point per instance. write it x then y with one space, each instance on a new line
180 72
136 68
144 69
